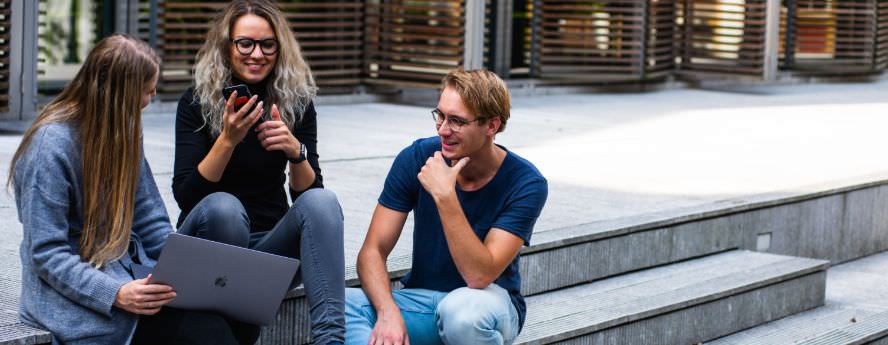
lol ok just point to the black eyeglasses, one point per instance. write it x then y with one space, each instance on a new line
245 46
454 123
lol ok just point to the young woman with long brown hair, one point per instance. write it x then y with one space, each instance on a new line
91 212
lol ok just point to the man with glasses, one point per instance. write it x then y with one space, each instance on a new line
475 204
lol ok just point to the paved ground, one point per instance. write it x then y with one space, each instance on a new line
607 156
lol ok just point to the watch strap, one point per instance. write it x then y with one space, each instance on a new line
302 155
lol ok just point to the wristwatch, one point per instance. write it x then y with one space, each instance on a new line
302 155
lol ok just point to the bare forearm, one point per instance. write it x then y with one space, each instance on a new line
302 176
213 165
472 259
373 273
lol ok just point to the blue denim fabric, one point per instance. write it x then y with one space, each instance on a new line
311 230
463 316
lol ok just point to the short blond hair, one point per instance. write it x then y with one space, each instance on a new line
482 92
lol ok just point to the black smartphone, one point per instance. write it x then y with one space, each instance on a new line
243 97
243 94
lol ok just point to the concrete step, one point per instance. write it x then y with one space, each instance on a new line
833 325
682 303
12 331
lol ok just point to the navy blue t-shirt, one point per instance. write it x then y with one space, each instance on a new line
511 201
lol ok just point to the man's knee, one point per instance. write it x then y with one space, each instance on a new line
465 309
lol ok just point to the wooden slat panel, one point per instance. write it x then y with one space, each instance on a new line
724 37
596 41
660 46
144 19
881 60
413 43
5 27
855 38
183 27
833 36
329 32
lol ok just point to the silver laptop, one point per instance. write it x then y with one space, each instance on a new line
243 284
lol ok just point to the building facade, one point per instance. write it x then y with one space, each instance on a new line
367 45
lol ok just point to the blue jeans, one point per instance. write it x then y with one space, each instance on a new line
462 316
311 231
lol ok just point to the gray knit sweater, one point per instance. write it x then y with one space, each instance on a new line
60 292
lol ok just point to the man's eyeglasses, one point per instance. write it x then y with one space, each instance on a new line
454 123
245 46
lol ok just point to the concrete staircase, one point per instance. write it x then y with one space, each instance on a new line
687 277
672 296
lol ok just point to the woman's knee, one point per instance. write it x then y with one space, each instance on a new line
319 200
321 207
221 204
225 218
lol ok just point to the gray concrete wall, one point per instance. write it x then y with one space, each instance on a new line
836 225
839 227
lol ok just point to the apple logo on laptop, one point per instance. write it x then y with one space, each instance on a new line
221 281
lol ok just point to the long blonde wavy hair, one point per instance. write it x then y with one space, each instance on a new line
291 86
103 103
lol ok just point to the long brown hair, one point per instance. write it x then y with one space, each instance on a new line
290 85
103 104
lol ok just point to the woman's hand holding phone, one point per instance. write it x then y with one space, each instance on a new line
274 135
236 123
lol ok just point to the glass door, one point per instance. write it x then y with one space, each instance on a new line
67 30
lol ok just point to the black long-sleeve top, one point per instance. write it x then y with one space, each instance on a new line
253 175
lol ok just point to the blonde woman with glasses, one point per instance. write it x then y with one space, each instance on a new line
238 153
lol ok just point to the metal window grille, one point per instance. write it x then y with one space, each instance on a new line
5 28
413 43
721 37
